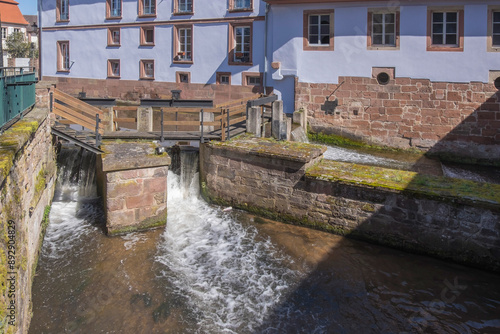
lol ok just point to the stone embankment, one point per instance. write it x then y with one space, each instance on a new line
447 218
27 181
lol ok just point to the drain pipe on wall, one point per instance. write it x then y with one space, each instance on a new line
268 6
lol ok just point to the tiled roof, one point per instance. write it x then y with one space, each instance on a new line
10 13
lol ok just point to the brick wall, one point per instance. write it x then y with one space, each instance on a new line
439 116
137 89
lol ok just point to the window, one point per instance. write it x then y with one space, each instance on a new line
17 30
183 40
114 37
147 7
63 64
4 33
183 7
254 79
113 9
147 36
240 5
445 29
318 30
240 44
223 78
147 69
113 68
62 10
494 28
383 30
183 77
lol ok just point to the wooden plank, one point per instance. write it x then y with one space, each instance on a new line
80 110
58 95
240 101
125 108
186 110
237 120
237 110
78 116
182 123
125 119
70 117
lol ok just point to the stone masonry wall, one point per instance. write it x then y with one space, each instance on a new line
281 189
135 196
27 182
132 90
461 119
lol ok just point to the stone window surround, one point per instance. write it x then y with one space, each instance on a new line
110 68
110 37
142 69
141 9
143 36
232 42
58 10
178 77
177 10
491 47
221 74
370 45
176 46
108 11
232 7
305 38
246 75
460 33
60 57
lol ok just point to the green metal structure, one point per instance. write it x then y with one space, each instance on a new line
17 93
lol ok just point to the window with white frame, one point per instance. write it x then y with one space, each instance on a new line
4 33
114 68
384 29
147 70
223 78
184 6
445 28
242 44
319 29
496 29
242 4
184 44
63 62
253 81
17 30
147 7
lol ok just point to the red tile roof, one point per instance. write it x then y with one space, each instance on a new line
10 13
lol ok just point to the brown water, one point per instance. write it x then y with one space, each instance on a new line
211 271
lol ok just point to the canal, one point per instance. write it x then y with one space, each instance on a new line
217 270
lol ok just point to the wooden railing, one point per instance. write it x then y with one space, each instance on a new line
74 111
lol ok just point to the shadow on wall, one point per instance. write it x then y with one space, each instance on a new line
361 288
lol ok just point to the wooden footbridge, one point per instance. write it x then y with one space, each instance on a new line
86 122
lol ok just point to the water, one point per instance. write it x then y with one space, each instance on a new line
211 271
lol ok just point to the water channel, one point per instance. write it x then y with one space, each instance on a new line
212 270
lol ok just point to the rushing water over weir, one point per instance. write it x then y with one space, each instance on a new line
212 270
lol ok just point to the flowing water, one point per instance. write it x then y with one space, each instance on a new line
212 270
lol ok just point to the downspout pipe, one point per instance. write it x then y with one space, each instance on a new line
39 35
268 7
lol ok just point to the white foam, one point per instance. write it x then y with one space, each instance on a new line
231 278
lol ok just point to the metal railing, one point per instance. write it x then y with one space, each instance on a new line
17 93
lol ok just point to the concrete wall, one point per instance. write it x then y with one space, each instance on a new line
267 179
27 181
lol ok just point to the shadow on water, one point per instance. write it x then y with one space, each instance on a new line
358 287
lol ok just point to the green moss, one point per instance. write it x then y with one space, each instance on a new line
24 263
441 188
336 140
150 223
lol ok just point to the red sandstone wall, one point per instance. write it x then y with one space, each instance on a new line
409 113
135 90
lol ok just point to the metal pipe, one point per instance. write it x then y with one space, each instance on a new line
161 124
201 123
228 123
268 6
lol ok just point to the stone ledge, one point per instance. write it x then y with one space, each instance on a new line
265 147
132 155
16 137
442 188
